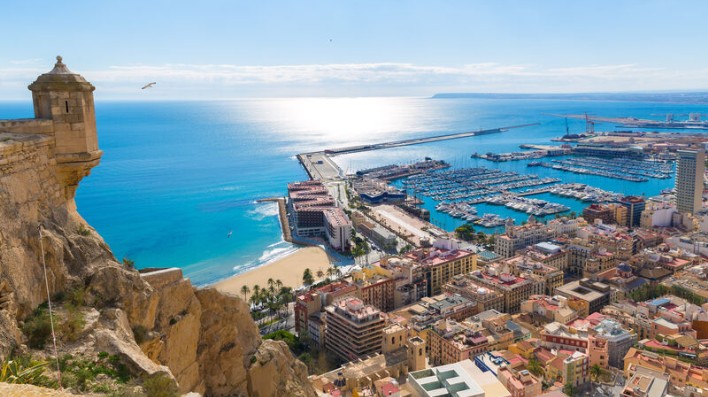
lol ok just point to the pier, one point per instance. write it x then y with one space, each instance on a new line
418 141
320 166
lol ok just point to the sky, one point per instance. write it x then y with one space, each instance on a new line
212 49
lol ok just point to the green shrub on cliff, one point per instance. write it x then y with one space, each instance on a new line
160 386
83 231
37 328
23 371
73 324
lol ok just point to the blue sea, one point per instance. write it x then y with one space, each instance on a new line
177 177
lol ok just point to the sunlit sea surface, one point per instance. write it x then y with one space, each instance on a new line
177 177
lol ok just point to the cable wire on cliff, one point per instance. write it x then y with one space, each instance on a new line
49 304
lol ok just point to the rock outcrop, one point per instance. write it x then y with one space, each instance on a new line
204 340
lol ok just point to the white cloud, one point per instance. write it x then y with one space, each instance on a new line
218 80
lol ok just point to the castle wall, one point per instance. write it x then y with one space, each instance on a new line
28 126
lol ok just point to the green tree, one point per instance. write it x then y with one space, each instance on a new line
534 367
569 389
307 278
595 372
331 272
245 291
465 232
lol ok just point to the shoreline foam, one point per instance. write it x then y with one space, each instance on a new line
288 269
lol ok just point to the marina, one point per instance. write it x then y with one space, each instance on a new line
624 168
584 193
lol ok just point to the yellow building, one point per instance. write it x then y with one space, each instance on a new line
524 348
439 265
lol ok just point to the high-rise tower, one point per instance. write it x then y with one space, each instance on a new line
689 180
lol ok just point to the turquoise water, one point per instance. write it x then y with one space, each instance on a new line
176 177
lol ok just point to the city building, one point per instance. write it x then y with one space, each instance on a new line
430 310
608 150
315 300
634 205
363 373
619 341
596 294
373 231
316 214
621 280
683 377
376 191
646 383
515 289
410 283
486 298
338 228
451 341
353 329
524 264
606 213
598 353
442 262
547 253
518 237
550 308
519 383
374 287
557 336
658 213
569 367
462 379
689 180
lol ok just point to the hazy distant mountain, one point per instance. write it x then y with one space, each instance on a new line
676 97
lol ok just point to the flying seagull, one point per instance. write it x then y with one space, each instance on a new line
148 85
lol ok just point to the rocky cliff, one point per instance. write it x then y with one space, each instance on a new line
202 339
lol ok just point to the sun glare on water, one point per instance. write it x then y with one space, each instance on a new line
340 121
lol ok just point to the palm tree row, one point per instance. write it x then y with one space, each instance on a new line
275 297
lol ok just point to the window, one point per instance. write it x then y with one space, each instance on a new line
66 104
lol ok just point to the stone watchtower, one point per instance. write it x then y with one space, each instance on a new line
416 354
66 98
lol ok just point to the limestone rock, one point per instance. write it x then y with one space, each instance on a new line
276 372
229 339
8 390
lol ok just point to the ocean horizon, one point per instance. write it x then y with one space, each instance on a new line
177 177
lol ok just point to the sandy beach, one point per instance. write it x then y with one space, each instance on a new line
288 269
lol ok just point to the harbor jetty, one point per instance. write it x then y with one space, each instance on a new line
418 141
319 165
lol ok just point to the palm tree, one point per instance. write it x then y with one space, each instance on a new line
271 282
278 284
338 272
245 291
307 278
331 272
534 367
319 273
256 294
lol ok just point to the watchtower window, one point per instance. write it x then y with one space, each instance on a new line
66 103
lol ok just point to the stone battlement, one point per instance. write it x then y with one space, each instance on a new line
64 114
